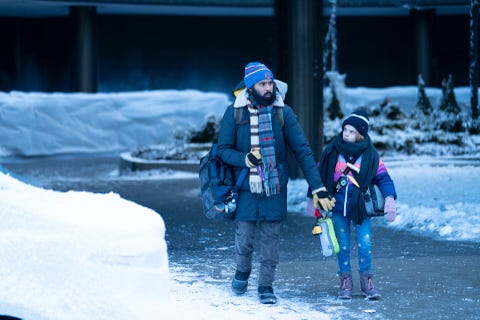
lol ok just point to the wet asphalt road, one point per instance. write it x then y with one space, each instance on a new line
419 278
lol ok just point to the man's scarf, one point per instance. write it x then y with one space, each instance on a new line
261 136
368 169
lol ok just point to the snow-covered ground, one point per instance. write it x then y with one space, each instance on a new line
78 255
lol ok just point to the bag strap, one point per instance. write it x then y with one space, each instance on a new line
345 173
213 151
354 177
240 179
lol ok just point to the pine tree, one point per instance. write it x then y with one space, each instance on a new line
337 81
334 109
337 87
208 133
330 47
423 103
449 102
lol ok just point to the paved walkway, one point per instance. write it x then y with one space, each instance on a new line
419 278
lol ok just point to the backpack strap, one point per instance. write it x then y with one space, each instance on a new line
239 116
240 179
279 113
213 152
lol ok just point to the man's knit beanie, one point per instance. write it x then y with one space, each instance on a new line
254 72
359 120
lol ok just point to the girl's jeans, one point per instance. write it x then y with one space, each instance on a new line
364 241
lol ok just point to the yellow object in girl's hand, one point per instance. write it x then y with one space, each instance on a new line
323 200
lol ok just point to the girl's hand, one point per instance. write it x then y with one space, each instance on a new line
390 209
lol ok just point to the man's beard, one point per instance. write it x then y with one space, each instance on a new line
265 100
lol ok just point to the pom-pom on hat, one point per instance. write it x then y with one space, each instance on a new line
254 72
359 120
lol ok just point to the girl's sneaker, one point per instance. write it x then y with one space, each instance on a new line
367 287
346 286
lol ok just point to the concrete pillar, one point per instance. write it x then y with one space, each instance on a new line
84 62
422 46
301 45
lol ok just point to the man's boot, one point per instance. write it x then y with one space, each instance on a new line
240 282
346 286
266 295
367 286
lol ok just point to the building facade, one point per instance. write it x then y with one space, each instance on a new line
120 45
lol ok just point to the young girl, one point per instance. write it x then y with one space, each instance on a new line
349 164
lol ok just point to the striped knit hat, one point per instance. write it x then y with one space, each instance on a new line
254 72
359 120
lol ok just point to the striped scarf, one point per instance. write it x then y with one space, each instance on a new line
261 136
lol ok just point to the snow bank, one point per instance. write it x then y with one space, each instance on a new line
79 255
37 124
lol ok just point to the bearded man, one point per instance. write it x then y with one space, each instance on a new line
255 132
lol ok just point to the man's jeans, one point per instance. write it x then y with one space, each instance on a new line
364 241
269 247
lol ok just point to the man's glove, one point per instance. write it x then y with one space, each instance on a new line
253 158
324 199
390 209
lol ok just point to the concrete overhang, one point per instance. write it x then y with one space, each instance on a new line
58 8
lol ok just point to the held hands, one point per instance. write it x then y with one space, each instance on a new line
253 158
390 209
323 200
